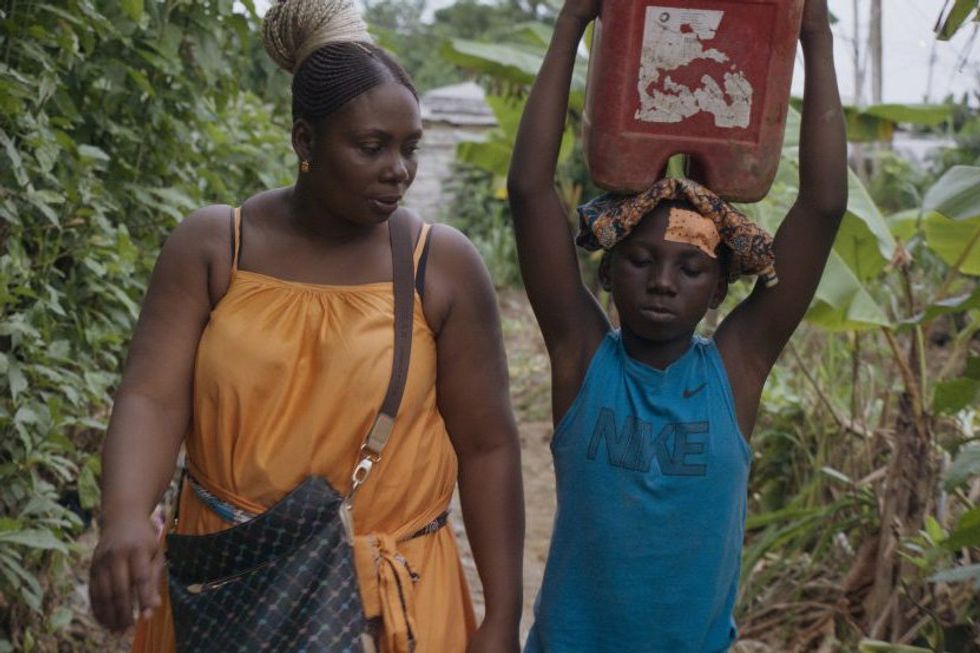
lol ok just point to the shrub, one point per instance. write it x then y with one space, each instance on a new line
116 119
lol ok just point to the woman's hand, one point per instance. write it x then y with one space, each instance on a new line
816 17
582 10
492 639
125 576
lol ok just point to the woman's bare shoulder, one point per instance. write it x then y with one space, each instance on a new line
207 232
204 241
456 275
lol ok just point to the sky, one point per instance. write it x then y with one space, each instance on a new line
908 46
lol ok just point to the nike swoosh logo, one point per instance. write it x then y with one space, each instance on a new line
690 393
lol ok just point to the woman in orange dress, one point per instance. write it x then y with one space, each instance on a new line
265 344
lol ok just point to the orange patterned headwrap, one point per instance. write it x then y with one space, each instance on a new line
686 226
610 218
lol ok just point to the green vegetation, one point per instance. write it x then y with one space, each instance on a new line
956 18
398 25
117 118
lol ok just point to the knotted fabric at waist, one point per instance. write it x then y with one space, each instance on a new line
386 579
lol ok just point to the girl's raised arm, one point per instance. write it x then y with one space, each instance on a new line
572 322
752 337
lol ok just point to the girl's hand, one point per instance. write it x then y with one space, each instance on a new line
816 16
125 573
582 10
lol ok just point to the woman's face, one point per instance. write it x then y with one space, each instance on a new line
363 157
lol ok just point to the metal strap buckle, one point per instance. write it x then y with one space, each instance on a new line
347 519
362 471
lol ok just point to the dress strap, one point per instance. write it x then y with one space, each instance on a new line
421 256
236 237
421 243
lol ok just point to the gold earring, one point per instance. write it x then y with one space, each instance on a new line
304 166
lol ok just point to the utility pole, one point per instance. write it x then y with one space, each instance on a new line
876 46
858 64
858 157
933 60
876 39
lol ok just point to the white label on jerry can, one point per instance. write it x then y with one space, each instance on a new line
672 39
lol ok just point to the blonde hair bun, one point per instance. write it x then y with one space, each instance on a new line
292 30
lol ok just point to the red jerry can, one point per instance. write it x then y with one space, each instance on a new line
706 78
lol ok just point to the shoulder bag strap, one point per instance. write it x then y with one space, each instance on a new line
403 271
403 275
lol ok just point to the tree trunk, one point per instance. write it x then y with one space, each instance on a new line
905 499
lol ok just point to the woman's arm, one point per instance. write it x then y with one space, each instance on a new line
150 416
571 320
752 337
474 399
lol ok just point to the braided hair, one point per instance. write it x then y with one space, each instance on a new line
325 45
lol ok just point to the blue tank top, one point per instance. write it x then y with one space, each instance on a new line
652 474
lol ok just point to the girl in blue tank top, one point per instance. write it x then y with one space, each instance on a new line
652 422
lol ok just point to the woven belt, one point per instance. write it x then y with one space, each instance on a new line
236 515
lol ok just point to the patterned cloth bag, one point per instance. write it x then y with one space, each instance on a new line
283 581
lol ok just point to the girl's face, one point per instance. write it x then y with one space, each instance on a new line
363 157
662 289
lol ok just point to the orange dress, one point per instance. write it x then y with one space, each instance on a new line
288 379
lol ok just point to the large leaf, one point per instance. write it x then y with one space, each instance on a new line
791 134
534 33
842 303
966 466
957 16
492 155
953 396
958 304
956 242
904 224
516 63
967 532
973 368
926 115
507 111
864 128
864 241
957 194
494 152
133 8
878 122
34 539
